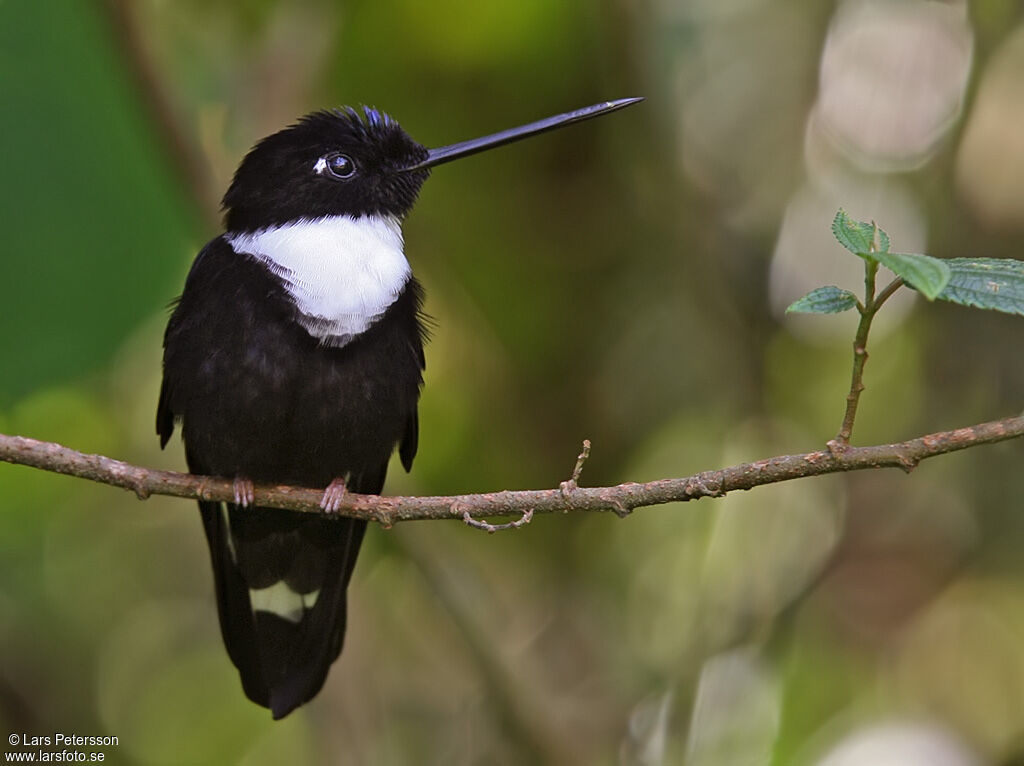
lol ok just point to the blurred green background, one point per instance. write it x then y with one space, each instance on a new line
621 281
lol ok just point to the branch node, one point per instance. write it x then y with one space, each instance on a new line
837 447
383 518
698 487
621 509
490 529
203 490
907 463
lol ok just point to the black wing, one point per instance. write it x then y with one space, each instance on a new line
411 437
164 416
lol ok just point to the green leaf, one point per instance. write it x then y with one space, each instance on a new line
986 283
858 236
824 300
925 274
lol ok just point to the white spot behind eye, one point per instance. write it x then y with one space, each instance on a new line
320 166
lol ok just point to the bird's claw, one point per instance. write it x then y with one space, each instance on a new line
244 492
333 496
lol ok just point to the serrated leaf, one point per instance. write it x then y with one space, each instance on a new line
858 236
986 283
925 274
824 300
883 241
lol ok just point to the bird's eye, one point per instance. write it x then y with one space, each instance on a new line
339 166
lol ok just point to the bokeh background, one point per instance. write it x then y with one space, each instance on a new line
622 281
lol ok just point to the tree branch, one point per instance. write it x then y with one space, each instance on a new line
620 499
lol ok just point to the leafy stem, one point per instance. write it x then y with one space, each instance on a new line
986 283
867 310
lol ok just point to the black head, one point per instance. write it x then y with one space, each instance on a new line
336 162
346 162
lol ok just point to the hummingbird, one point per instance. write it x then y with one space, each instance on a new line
294 355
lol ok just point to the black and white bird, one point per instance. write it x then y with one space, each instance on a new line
295 356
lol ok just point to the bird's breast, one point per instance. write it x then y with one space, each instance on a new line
341 272
258 396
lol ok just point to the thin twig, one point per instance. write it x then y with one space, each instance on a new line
571 484
888 291
525 519
580 460
619 499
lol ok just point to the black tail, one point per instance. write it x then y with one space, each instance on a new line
280 579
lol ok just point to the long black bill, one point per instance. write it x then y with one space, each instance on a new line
465 148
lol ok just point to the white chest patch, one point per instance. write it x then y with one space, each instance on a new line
342 272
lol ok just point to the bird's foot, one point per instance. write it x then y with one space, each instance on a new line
333 496
244 491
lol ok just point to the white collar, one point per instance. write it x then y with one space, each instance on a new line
342 272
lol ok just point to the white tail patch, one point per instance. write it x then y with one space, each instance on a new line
281 600
277 599
342 272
